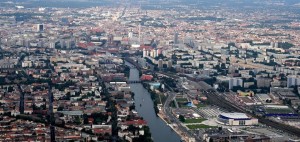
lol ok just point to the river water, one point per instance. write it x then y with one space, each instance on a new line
160 131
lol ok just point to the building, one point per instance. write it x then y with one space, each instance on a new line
146 77
69 44
160 63
145 53
263 97
293 80
151 53
39 27
62 43
263 82
154 85
52 44
176 38
243 94
235 82
169 65
236 119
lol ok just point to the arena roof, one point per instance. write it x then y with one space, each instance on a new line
234 115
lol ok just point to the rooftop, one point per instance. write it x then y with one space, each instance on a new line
235 115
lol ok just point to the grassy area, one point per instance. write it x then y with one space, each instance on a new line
200 105
200 126
184 100
279 111
172 104
194 120
182 105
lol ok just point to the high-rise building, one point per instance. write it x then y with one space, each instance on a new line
169 65
144 52
69 43
130 35
39 27
62 43
263 82
40 43
151 53
159 51
160 63
176 38
51 44
26 44
235 82
155 53
276 45
140 34
293 80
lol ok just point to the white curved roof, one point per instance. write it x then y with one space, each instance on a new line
235 115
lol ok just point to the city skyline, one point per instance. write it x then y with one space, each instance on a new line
150 70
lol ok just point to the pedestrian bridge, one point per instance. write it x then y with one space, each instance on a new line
133 81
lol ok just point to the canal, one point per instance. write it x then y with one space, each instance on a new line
160 131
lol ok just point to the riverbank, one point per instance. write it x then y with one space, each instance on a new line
160 131
162 117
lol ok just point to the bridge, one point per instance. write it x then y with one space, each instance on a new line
133 81
135 64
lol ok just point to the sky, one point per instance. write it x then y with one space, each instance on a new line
88 3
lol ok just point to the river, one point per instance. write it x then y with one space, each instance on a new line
160 131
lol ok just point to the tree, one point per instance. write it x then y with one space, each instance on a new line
132 107
181 118
77 120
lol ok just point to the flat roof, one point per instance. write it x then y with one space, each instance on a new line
263 96
277 106
74 113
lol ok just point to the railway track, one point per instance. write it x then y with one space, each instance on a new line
220 101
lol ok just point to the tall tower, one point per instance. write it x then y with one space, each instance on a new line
176 38
140 33
0 42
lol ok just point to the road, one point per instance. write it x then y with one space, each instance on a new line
22 94
52 123
168 112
